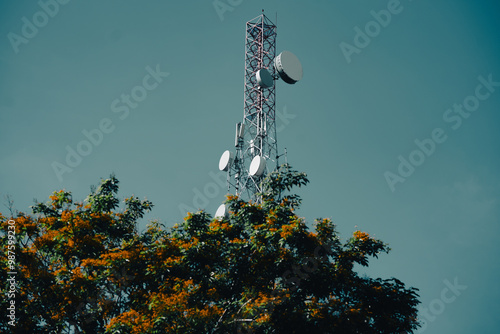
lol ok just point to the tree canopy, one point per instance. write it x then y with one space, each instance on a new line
85 268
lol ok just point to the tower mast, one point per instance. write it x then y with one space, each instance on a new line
255 140
259 109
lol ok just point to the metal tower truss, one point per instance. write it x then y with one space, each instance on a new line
256 143
259 118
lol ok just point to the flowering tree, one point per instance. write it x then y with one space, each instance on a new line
84 268
69 261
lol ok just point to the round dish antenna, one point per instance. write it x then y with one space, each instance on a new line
264 78
226 160
222 211
257 166
288 67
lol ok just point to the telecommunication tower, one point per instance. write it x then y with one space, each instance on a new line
256 145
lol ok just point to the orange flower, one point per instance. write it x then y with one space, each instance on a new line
286 231
66 216
361 235
263 318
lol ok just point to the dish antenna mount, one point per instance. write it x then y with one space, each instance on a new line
256 144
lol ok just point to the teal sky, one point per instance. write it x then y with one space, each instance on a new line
352 118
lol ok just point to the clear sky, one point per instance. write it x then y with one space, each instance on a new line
396 121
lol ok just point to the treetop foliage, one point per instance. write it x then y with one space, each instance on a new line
84 268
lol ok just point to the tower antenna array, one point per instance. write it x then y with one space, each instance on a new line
256 144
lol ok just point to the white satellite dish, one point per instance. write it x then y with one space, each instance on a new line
264 78
226 160
222 211
257 166
288 67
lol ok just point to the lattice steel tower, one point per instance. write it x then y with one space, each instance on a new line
255 140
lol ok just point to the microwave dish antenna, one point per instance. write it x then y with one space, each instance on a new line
288 67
